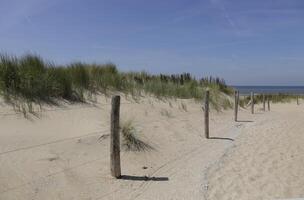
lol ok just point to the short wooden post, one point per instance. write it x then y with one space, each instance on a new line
207 114
236 105
298 100
252 102
268 102
264 106
115 143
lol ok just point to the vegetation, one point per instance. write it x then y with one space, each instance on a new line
183 107
131 142
274 98
31 79
166 113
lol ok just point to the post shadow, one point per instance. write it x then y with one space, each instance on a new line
249 121
221 138
143 178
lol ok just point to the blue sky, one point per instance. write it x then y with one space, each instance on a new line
247 42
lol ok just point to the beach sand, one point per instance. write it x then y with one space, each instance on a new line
63 152
266 161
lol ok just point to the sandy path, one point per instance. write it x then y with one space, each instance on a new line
266 162
59 155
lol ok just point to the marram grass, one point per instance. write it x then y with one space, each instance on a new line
274 98
131 142
32 79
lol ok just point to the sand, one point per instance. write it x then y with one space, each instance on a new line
62 152
266 162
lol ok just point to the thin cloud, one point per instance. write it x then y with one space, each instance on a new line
192 12
227 16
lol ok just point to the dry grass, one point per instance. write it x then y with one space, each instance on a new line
183 107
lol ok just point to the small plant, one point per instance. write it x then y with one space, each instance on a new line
184 107
131 142
166 113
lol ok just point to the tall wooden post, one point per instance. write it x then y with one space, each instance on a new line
236 104
207 114
268 102
264 106
252 102
115 143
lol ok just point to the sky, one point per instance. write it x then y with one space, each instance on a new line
246 42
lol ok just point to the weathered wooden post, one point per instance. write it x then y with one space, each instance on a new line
298 100
236 104
238 97
115 143
252 102
268 102
264 106
207 114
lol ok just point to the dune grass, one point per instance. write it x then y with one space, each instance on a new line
30 78
131 142
274 98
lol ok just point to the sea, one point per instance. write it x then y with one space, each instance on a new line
299 90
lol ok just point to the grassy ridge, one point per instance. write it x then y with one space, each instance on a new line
31 78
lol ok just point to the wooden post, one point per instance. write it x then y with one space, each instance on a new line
264 106
268 102
236 105
207 114
115 143
298 100
252 103
238 100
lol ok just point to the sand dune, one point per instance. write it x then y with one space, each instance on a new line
63 153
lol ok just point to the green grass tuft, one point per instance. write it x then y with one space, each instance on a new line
131 142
